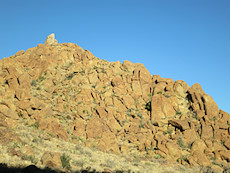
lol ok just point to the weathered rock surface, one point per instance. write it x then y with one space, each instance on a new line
67 92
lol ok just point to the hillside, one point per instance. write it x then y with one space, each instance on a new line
63 108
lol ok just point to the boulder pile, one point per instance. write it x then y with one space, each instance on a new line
116 107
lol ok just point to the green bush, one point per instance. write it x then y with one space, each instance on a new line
157 156
148 106
65 159
141 125
140 116
180 142
70 76
178 113
33 83
36 125
41 78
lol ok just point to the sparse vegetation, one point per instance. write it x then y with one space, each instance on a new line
30 158
55 93
178 113
128 112
41 78
51 134
214 118
71 75
169 131
157 156
103 70
180 142
194 115
167 96
95 67
82 72
218 164
35 125
16 144
150 96
20 114
140 115
79 91
33 83
70 64
141 125
65 159
148 106
79 163
77 115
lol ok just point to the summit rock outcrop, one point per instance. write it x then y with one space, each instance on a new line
72 95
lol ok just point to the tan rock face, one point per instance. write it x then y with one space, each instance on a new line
51 159
50 40
180 88
7 112
161 107
198 145
180 124
22 94
52 126
173 149
211 108
207 131
203 102
68 93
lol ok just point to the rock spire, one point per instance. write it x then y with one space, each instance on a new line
50 40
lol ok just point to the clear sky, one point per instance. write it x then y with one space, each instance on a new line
178 39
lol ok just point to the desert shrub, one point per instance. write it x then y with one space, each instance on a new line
148 106
20 114
70 76
33 83
40 79
141 125
30 158
35 125
157 156
79 163
16 144
82 72
65 159
128 112
178 113
167 96
140 115
180 142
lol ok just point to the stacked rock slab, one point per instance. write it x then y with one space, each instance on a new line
117 107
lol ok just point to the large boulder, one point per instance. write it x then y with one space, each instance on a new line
210 107
51 159
161 107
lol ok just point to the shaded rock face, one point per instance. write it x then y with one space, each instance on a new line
122 108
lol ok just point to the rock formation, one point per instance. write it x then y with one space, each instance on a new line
116 107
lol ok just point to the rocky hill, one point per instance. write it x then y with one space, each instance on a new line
63 108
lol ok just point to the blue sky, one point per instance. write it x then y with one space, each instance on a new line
178 39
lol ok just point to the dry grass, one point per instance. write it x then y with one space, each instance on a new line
80 157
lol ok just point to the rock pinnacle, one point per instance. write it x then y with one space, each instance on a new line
50 40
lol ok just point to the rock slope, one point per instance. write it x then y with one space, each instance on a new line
68 93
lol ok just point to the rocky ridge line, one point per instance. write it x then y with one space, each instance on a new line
117 107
